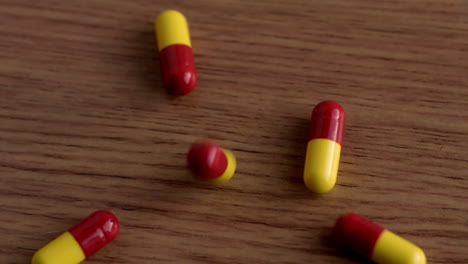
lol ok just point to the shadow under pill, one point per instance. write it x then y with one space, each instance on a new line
149 63
327 240
297 135
147 89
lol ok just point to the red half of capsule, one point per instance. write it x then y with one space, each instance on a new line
96 231
178 69
327 121
357 234
207 160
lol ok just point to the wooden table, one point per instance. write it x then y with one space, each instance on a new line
86 125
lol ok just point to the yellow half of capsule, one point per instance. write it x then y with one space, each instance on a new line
171 28
393 249
321 165
230 169
62 250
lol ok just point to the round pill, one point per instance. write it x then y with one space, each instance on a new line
209 161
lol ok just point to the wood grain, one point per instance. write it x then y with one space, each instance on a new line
86 125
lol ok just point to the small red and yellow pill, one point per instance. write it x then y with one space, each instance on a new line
376 243
81 241
175 53
209 161
324 146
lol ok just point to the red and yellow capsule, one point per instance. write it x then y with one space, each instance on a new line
175 53
209 161
81 241
376 243
324 147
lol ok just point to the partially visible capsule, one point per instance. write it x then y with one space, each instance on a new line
209 161
81 241
324 146
175 53
369 240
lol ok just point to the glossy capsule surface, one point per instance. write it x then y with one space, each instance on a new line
81 241
208 161
374 242
175 53
324 146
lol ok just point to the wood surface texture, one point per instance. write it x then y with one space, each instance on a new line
86 125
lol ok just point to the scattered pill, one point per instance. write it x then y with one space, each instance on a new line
324 146
209 161
175 53
81 241
369 240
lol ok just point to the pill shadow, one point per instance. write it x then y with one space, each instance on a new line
328 242
149 66
175 185
145 72
298 146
